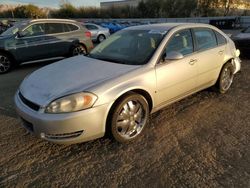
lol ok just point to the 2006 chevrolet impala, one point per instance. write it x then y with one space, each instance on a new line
135 72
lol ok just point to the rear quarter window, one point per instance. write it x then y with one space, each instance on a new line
72 27
221 40
53 28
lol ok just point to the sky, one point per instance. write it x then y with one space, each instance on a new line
54 3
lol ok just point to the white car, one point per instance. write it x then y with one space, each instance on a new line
133 73
98 33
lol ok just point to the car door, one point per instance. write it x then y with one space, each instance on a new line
60 37
209 56
31 44
177 78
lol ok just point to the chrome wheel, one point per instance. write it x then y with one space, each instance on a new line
131 119
79 50
227 79
5 64
101 38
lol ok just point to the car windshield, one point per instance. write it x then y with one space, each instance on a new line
14 29
131 47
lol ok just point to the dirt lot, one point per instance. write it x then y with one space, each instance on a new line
202 141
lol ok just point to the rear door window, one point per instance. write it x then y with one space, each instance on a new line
54 28
91 27
66 28
221 40
205 38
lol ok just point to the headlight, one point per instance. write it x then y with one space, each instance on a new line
72 103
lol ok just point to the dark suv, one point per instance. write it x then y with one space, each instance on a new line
42 39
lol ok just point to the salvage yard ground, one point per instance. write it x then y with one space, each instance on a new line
201 141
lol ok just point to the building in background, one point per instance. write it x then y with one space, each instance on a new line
109 4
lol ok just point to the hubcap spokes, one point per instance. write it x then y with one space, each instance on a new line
78 51
101 38
130 120
4 64
227 79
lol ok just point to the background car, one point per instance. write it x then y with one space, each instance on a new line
242 41
113 27
42 39
5 24
98 33
135 72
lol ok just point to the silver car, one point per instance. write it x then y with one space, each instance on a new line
132 74
98 33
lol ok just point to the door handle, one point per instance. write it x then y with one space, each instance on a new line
192 61
221 52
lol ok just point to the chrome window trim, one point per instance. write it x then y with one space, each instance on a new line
48 34
193 37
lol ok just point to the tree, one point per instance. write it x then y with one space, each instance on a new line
66 10
143 9
229 5
28 11
207 7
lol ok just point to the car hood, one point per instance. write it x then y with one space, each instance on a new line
69 76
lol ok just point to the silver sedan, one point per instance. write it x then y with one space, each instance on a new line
132 74
98 33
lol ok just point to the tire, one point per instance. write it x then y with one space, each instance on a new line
129 126
226 78
78 49
101 38
6 63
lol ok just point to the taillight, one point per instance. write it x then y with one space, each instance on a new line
87 34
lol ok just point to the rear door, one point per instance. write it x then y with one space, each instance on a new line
56 39
60 37
209 56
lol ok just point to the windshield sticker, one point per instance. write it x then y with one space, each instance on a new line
157 32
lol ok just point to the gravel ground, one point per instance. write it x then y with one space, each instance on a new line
201 141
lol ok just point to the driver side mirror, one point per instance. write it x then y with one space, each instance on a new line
20 34
173 55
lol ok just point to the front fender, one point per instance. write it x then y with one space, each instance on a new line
110 92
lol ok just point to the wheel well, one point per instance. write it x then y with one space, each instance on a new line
84 46
229 60
9 54
74 45
101 35
144 93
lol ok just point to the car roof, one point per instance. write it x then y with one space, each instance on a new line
167 26
52 20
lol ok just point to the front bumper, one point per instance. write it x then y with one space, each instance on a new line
68 128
